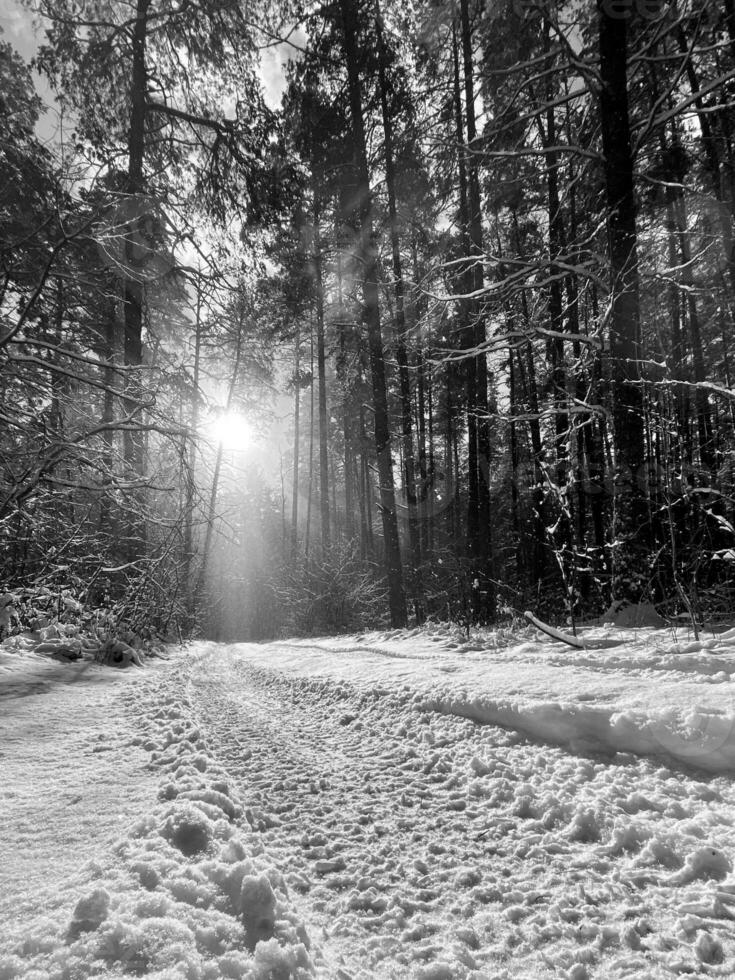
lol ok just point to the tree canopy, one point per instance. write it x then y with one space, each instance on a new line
437 324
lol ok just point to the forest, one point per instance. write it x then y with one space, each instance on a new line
321 317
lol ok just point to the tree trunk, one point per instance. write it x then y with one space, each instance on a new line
108 414
423 481
400 332
625 345
347 410
296 447
514 465
367 258
528 378
480 547
191 456
310 496
321 369
556 235
133 441
465 308
705 434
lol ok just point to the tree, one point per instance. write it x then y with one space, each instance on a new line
366 258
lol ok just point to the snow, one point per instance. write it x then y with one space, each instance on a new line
654 695
397 804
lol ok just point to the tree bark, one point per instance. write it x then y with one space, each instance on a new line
296 447
133 439
556 235
191 455
321 369
481 547
367 258
409 465
528 378
625 342
108 414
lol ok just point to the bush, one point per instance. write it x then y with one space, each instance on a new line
332 593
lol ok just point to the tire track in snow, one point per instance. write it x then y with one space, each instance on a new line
326 806
423 845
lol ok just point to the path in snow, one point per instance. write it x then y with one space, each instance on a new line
417 843
338 800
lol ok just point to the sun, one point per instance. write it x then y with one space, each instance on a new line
232 430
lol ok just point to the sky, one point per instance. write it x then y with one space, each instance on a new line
16 24
17 28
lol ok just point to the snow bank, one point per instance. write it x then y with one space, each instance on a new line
696 737
656 694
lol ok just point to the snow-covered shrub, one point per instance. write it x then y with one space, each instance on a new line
331 593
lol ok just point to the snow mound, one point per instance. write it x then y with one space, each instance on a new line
705 739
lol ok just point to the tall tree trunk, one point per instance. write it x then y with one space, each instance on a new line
296 447
539 526
625 344
108 413
321 369
596 438
424 479
451 511
676 351
724 340
514 465
705 434
400 295
556 237
368 260
310 495
347 410
480 548
133 440
573 327
467 339
367 539
527 374
191 449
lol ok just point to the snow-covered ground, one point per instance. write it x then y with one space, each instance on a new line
390 805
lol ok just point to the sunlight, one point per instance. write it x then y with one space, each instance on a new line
233 430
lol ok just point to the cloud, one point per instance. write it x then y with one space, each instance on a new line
273 62
17 25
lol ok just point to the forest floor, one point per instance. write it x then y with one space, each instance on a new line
403 804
